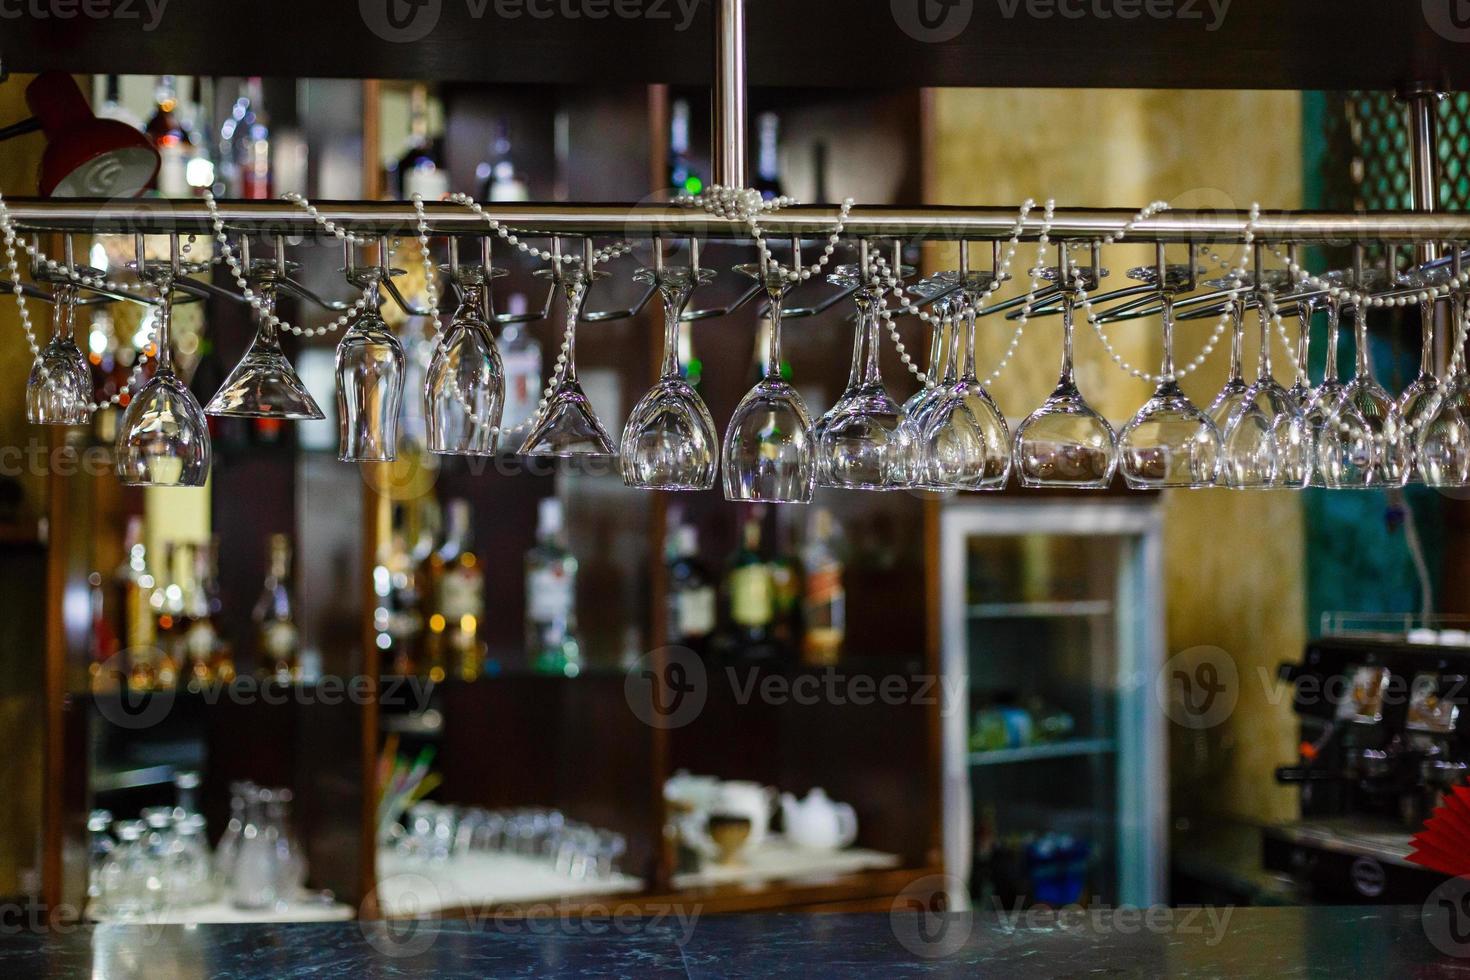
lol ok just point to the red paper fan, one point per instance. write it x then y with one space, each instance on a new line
1444 843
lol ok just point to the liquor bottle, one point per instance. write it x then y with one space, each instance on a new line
459 594
520 354
134 584
171 141
160 668
201 638
277 645
212 605
691 593
786 587
683 177
400 618
768 156
498 179
194 120
750 597
420 170
551 597
824 598
102 642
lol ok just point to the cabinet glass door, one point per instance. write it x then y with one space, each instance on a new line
1055 767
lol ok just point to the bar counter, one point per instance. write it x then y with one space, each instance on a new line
1221 942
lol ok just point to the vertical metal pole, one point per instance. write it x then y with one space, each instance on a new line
1423 157
728 128
1424 186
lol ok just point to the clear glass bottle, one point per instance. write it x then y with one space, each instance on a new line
684 178
278 641
498 178
551 597
254 887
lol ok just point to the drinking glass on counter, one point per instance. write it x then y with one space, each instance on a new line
437 833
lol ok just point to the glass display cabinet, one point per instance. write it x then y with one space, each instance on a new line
1055 760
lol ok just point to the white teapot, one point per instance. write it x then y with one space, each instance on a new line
817 822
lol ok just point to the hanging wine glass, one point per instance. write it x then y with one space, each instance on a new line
669 441
566 425
907 463
965 441
1364 443
1325 397
59 388
855 439
1169 442
1442 444
163 439
1065 443
264 384
768 451
1419 401
1266 442
1232 394
370 371
464 388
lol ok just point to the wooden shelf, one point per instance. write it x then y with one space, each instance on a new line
1253 44
1046 750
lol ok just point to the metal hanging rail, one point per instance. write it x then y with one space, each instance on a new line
643 221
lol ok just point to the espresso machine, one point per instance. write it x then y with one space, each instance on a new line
1384 735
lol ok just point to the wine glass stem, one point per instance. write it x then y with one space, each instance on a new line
1237 337
1068 311
871 372
673 307
1263 362
773 349
1360 331
1426 350
1167 311
1457 351
951 348
574 306
936 350
969 342
1303 340
1334 320
859 335
267 329
165 315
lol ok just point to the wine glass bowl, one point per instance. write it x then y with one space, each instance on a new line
670 441
567 426
163 438
370 377
59 387
464 388
1065 443
768 453
264 384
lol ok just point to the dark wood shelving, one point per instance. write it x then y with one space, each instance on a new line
1305 44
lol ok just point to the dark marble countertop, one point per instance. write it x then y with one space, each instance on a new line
1223 942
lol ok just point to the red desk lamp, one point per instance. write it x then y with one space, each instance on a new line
85 156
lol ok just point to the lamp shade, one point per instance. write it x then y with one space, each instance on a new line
86 156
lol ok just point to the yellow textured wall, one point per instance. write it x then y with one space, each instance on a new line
1235 560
